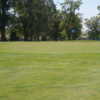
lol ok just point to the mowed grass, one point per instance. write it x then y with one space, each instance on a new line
50 70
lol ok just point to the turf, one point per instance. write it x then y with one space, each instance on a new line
50 70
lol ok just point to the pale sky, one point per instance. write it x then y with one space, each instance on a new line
88 8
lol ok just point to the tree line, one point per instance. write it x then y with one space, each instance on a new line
40 20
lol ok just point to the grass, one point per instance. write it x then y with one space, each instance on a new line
50 70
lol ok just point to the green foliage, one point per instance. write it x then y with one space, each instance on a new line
4 17
36 17
40 20
72 19
93 25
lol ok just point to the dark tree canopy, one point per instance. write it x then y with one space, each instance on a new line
40 20
4 17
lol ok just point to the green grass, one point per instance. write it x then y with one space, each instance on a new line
50 70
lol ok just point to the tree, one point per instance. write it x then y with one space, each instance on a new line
35 16
25 15
93 25
4 17
39 20
98 9
72 20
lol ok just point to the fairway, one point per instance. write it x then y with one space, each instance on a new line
50 70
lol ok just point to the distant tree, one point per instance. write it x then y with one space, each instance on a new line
98 9
72 20
93 25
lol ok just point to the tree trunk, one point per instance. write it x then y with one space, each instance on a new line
31 37
25 37
3 36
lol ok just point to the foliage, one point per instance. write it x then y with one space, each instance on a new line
40 20
72 19
93 25
4 17
98 9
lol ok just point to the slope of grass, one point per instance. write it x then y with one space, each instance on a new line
50 71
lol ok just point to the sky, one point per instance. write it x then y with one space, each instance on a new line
87 9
